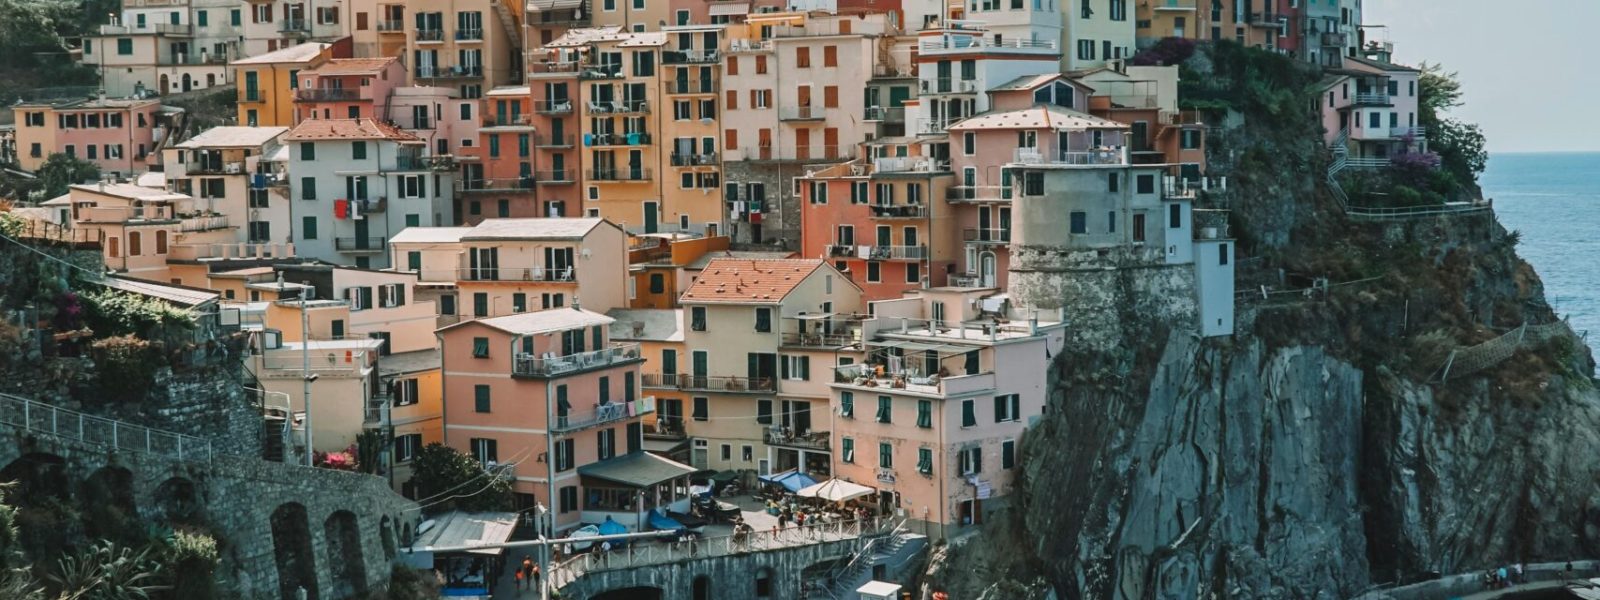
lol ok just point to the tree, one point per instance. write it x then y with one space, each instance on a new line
61 170
1460 144
1439 91
458 481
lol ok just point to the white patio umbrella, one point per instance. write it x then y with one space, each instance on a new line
835 490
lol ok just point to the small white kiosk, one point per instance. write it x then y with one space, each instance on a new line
878 590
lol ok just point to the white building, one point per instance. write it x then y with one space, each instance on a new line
223 169
1095 31
354 183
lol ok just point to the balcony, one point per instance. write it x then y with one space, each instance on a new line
359 244
749 46
202 223
494 185
124 214
948 85
689 57
392 26
528 365
197 252
567 68
1044 156
600 71
810 440
1372 99
603 413
295 26
1335 40
892 114
692 86
1264 20
554 141
252 96
442 162
556 177
710 383
973 42
371 205
616 139
619 175
791 154
214 168
935 126
879 252
801 113
625 107
899 211
986 236
694 160
1414 133
430 35
979 193
909 164
327 94
512 120
821 340
469 35
455 72
157 28
552 107
508 274
911 381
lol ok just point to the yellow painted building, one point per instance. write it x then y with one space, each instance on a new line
690 122
267 82
413 384
619 85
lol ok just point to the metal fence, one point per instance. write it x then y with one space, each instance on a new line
73 425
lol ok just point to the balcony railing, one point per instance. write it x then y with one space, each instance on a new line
494 185
326 94
694 160
1044 156
811 440
710 383
909 164
566 274
554 141
987 236
639 174
359 244
692 86
743 46
294 26
983 43
600 71
392 25
454 72
424 163
616 139
802 113
1372 98
230 251
899 211
949 85
528 365
890 114
208 223
689 57
979 193
214 168
513 120
552 107
604 413
819 340
469 35
1339 40
1411 132
430 35
810 153
554 177
1264 19
252 96
624 107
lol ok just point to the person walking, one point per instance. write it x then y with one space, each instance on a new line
533 578
519 575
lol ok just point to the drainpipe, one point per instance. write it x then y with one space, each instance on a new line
550 487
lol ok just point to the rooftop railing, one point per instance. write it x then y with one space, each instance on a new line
550 365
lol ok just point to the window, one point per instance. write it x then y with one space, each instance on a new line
308 151
874 272
124 47
1008 454
1145 184
1080 222
1174 216
308 188
200 17
1033 183
308 228
969 143
847 405
802 57
1007 408
1190 139
406 446
1113 183
403 392
971 460
569 498
658 283
885 455
1222 254
566 455
480 304
796 368
447 305
606 443
925 461
485 451
480 396
847 450
700 409
234 18
925 414
885 409
969 413
727 452
697 318
764 412
764 320
761 65
358 150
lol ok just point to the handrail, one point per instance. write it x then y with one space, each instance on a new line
33 415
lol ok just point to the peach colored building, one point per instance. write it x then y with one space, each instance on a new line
349 88
117 135
934 417
471 46
223 169
553 384
138 228
497 174
883 220
659 266
957 63
554 91
659 333
268 82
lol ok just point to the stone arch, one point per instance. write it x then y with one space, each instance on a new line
341 535
188 82
292 550
177 501
39 477
109 511
166 84
700 589
386 532
632 593
764 583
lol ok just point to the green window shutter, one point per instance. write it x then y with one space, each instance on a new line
925 460
885 455
414 261
1000 404
764 412
1008 454
308 228
805 368
605 390
308 188
701 412
847 404
883 409
480 347
848 450
562 405
308 150
358 150
969 416
925 414
1016 407
481 396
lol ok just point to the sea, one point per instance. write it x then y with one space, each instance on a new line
1554 200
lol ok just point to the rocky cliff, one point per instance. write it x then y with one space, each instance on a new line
1320 451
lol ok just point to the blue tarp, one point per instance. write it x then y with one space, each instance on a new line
793 481
662 522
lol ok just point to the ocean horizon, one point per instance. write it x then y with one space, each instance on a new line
1553 199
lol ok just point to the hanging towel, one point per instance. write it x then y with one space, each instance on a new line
633 139
588 139
864 252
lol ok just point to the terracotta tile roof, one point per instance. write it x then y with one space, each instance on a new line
746 281
352 66
347 129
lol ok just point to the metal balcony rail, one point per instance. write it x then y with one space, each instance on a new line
986 235
430 35
326 94
979 193
510 120
391 25
556 176
715 383
899 211
554 141
552 107
513 274
692 86
616 139
469 35
503 184
694 160
359 244
604 413
51 420
622 174
619 107
783 436
550 365
802 113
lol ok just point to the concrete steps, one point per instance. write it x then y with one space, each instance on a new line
896 553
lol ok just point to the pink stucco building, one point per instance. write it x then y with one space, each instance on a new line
117 134
349 88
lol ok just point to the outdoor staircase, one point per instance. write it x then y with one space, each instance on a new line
895 552
274 444
1341 158
511 23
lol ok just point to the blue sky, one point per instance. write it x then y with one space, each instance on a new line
1526 65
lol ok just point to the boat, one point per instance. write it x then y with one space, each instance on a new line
587 531
610 527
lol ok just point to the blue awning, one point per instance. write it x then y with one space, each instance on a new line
791 480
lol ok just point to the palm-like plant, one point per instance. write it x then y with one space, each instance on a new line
106 571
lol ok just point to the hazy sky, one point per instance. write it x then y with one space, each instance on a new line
1523 64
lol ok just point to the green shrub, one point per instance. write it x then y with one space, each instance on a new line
192 558
126 367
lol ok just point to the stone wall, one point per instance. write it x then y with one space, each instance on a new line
731 577
237 497
1100 298
780 224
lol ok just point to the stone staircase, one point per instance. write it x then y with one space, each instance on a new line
896 553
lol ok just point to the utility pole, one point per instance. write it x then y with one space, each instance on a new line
305 363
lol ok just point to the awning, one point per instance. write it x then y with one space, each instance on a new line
791 480
814 316
549 5
837 490
718 10
639 470
465 529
